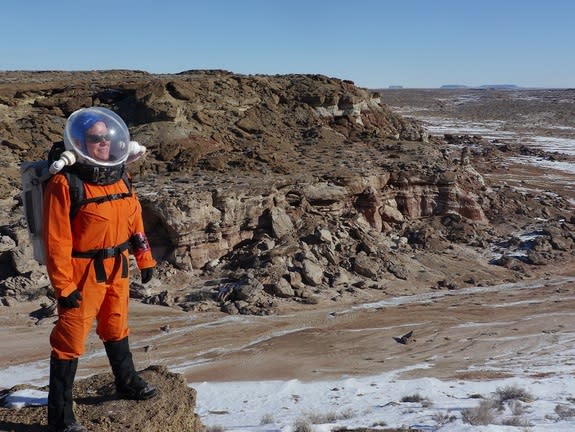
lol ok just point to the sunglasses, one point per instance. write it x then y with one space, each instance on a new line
98 138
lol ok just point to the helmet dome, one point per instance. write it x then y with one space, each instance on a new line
97 136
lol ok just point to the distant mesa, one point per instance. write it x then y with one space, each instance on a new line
499 86
484 86
463 86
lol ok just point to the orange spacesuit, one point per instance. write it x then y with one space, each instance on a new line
96 226
92 220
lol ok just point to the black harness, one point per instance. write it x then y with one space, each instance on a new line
99 255
78 200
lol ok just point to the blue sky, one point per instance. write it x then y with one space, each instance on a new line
375 43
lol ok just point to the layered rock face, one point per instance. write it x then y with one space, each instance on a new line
276 183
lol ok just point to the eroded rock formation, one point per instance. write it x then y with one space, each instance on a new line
274 186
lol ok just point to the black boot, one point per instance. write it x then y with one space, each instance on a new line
60 414
129 385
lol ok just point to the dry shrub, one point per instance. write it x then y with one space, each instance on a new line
267 419
515 421
564 411
484 414
316 418
443 418
417 398
516 407
513 393
302 425
329 417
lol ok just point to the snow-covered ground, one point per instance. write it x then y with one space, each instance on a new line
493 130
428 404
538 396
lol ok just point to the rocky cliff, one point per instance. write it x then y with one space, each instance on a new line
262 188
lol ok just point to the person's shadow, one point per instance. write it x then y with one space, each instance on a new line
19 427
31 420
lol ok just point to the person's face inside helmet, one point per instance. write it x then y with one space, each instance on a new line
98 141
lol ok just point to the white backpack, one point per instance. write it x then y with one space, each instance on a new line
34 176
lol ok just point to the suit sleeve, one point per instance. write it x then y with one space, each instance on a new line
141 246
58 236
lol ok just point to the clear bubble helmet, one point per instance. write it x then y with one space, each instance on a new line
98 136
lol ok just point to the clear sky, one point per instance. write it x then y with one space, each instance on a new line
375 43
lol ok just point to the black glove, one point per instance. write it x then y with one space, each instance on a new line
146 274
71 301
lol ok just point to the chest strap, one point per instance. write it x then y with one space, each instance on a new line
99 255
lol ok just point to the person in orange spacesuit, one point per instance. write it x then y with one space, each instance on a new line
87 259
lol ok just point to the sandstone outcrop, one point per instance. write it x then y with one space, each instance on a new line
98 408
259 188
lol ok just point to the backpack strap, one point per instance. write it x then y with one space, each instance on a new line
128 181
78 195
